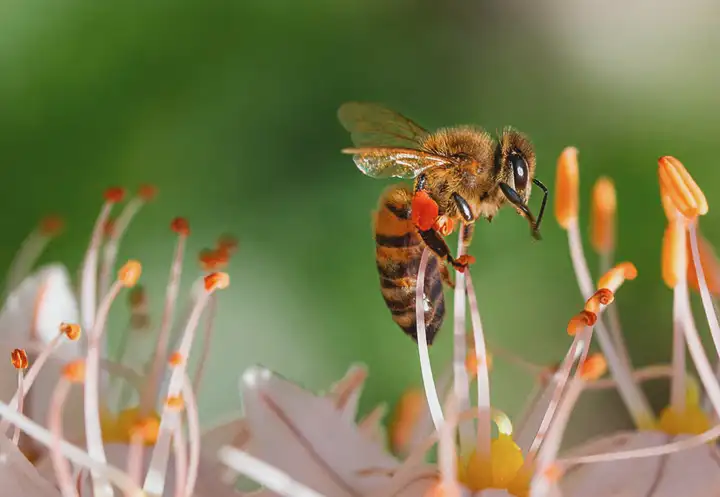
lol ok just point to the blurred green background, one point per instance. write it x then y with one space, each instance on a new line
229 108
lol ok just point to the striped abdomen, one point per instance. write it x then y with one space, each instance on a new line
398 248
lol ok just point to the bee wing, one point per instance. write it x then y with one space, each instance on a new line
386 162
372 125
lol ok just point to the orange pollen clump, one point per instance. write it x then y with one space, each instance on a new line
74 371
19 359
676 182
566 187
602 221
176 359
114 194
52 225
211 260
710 265
581 320
147 192
216 281
617 275
227 243
147 429
593 367
70 330
175 402
180 226
603 296
424 210
674 253
130 273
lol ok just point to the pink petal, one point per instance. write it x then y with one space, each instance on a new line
690 473
20 478
305 436
346 392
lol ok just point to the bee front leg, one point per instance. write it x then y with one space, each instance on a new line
437 244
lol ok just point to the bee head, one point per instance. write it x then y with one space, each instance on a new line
515 162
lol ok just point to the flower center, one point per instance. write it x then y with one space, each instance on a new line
120 428
504 469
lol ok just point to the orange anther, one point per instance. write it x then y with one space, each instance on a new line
212 260
676 182
674 253
566 187
137 297
147 192
114 194
405 418
709 262
180 226
471 363
464 260
593 367
424 210
600 298
227 243
147 429
130 273
175 402
668 206
52 225
581 320
70 330
176 359
216 281
19 359
602 221
74 371
617 276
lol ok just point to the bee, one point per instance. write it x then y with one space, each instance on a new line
460 174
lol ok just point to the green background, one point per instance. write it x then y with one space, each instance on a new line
229 108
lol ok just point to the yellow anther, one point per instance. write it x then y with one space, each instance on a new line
676 182
674 253
566 187
602 221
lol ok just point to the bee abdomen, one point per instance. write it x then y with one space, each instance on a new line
398 252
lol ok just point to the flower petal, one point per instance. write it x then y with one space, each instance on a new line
690 472
19 477
305 436
346 392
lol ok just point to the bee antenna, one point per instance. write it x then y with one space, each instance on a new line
544 201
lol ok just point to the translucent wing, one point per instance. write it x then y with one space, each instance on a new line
386 162
372 125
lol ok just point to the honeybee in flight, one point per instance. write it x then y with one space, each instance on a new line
460 174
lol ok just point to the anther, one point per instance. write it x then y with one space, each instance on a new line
617 276
19 359
602 221
176 359
604 296
147 192
593 367
70 330
216 281
52 225
405 419
471 363
180 226
212 260
566 187
581 320
130 273
668 206
147 429
114 194
424 210
674 253
676 182
227 244
175 402
74 371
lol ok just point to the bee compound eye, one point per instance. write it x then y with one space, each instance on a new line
520 170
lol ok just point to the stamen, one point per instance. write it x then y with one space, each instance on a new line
62 469
566 188
154 479
425 366
31 250
19 361
602 221
461 383
581 321
482 378
593 367
600 300
676 182
447 459
617 276
127 277
267 475
70 330
193 426
88 289
710 264
180 226
207 340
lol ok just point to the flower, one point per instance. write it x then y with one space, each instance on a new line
154 432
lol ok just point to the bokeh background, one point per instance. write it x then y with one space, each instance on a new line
229 109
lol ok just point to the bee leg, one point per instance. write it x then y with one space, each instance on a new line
436 243
445 276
